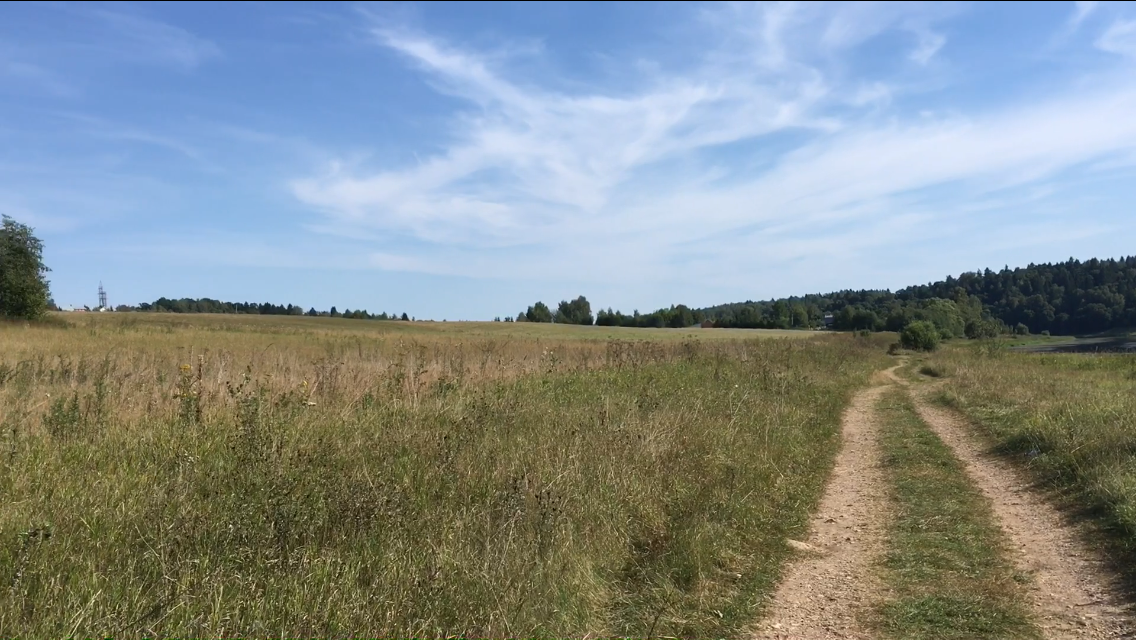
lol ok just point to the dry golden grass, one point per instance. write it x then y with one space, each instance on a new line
222 476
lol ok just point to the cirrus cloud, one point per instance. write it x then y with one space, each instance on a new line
768 150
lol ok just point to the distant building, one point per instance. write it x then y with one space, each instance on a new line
829 320
707 324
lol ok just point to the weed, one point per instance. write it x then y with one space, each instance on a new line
932 370
64 418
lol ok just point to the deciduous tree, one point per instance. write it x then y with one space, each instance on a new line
23 275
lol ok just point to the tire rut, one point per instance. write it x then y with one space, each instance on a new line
1073 594
829 587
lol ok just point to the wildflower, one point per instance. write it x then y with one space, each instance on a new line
184 368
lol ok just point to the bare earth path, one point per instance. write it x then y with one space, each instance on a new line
832 583
826 590
1073 595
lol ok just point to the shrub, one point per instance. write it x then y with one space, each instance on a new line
920 336
1045 332
932 370
984 328
1021 330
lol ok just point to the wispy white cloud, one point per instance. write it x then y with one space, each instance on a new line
113 131
12 205
875 93
1119 38
929 45
527 156
844 25
37 76
147 41
690 175
1081 10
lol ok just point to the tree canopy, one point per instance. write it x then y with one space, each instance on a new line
578 311
539 312
23 275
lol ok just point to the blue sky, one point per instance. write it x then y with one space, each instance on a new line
461 161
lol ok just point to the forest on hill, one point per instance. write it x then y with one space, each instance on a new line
1071 297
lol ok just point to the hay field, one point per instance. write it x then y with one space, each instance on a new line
210 476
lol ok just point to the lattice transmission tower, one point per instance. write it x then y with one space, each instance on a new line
102 297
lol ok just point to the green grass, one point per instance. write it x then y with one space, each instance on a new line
1034 339
1069 418
946 562
202 477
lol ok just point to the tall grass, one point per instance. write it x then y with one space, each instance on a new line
205 480
1070 417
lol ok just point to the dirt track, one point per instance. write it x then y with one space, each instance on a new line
831 585
1073 594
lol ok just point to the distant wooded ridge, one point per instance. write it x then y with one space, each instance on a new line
1071 297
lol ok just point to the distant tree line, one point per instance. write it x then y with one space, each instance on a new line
1067 298
853 311
1072 297
208 305
677 317
578 311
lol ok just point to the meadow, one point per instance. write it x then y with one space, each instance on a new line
1070 418
222 476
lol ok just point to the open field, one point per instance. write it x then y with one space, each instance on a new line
278 476
276 324
208 476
